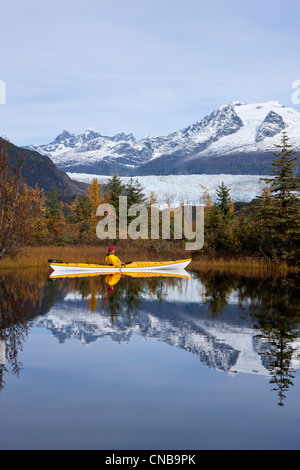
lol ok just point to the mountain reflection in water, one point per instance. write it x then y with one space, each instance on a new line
236 324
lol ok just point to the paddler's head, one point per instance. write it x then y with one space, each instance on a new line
111 249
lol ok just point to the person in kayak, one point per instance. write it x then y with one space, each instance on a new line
112 259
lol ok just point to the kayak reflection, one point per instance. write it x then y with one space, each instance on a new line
112 279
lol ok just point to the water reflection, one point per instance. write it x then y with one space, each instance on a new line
235 324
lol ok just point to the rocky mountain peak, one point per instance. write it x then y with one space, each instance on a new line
272 124
63 136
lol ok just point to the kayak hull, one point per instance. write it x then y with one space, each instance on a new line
138 266
178 273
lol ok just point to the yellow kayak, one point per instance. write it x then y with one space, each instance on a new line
135 266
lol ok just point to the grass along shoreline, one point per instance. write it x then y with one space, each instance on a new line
37 257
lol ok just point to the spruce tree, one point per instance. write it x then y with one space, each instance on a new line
53 205
264 222
279 209
135 192
54 216
223 201
115 189
284 182
219 234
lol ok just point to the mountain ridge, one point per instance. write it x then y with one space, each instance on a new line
236 138
40 169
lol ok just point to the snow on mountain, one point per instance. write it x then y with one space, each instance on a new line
236 138
253 117
67 141
188 189
271 125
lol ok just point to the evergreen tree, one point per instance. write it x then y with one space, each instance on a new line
218 231
135 192
279 209
284 182
264 222
84 207
53 211
223 201
115 189
54 216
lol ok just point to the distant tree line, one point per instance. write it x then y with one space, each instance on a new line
268 228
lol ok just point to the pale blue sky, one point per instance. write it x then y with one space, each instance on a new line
147 67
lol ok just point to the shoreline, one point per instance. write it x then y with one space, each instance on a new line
37 257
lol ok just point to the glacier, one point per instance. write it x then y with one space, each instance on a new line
188 189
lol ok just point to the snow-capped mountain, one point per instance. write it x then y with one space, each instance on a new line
236 138
67 141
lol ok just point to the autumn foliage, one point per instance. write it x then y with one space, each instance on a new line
268 228
21 209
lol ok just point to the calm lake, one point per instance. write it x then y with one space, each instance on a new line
206 362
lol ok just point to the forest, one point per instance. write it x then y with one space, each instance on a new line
267 228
